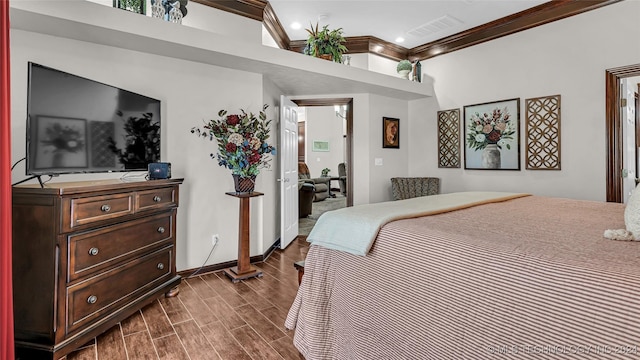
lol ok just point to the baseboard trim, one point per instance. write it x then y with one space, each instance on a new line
217 267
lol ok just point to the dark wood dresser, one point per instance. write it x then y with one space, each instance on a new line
87 255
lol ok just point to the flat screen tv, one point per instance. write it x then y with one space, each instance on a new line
77 125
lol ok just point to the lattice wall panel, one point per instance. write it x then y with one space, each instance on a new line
543 133
101 131
449 138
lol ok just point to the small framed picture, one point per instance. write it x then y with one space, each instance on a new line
492 135
320 146
390 133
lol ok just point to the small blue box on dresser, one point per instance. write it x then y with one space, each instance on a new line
159 170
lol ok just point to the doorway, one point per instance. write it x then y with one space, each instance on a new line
328 139
613 124
348 104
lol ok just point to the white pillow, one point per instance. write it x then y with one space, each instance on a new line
631 220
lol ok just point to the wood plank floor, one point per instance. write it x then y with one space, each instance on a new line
211 318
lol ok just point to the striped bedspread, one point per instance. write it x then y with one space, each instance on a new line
529 278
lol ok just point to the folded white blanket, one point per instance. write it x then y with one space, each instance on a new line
354 229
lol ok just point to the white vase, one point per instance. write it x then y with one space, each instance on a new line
491 157
404 74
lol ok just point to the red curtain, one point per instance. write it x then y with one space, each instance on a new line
6 297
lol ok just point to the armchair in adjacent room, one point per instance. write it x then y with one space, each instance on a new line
306 193
410 187
322 183
342 178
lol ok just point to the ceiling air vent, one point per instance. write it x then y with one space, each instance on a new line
435 26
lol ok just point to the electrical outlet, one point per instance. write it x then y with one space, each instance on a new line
214 239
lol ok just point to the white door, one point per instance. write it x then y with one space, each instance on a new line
288 171
629 140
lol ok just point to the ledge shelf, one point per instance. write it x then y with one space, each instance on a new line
295 74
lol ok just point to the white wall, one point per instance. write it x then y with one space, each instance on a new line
190 93
267 39
270 218
222 22
567 57
322 124
375 63
395 162
383 65
211 19
360 61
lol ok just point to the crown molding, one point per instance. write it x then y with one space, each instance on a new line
275 28
527 19
253 9
542 14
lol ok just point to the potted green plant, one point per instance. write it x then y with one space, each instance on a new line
325 43
404 68
325 172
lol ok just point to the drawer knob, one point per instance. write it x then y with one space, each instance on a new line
160 266
105 208
93 251
161 230
157 198
92 299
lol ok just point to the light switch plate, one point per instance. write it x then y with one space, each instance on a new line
378 161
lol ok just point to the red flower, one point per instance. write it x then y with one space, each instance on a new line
254 157
233 120
494 136
231 147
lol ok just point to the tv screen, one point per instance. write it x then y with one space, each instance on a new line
77 125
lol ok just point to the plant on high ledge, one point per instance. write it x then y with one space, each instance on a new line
325 172
325 43
403 68
242 142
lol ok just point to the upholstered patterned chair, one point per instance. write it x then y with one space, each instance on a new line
410 187
321 183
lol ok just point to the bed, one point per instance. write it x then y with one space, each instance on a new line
527 277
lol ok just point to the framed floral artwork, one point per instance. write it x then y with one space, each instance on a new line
390 133
60 143
492 135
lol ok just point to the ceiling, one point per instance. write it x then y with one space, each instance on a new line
417 21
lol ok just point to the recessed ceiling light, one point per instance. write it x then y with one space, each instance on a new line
295 25
399 39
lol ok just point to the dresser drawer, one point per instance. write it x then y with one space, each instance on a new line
95 250
156 199
93 209
100 295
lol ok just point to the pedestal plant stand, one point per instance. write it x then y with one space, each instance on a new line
244 269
